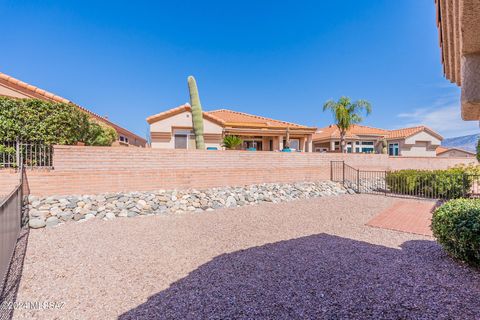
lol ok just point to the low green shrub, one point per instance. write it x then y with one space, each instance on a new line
456 225
448 184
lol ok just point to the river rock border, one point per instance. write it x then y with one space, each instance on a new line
53 210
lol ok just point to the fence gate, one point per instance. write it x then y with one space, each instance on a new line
14 154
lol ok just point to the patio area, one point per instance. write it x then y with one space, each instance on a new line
313 258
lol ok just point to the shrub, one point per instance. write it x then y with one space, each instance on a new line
478 150
232 142
456 225
450 183
100 135
50 123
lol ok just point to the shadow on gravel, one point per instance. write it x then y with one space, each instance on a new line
322 276
8 295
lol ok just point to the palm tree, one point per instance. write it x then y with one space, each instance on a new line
347 113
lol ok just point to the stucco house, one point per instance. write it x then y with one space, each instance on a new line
458 23
14 88
454 153
418 141
172 129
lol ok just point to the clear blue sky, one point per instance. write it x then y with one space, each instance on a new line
281 59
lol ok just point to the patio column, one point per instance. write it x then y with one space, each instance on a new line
280 143
301 144
309 144
332 145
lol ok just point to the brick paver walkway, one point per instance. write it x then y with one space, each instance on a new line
413 216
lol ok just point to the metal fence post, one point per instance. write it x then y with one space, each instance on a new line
358 180
343 172
331 170
17 152
385 181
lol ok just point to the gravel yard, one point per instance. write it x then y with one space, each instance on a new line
310 258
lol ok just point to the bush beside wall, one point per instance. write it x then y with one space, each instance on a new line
456 225
36 120
449 183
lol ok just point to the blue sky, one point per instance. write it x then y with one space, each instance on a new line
281 59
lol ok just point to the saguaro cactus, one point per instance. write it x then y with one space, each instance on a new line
197 114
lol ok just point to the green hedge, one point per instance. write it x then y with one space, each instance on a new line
35 120
456 225
447 184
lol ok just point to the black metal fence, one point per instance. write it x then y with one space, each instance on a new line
14 154
410 183
11 220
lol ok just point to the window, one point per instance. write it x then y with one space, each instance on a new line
294 144
123 139
365 146
252 144
393 149
181 141
184 139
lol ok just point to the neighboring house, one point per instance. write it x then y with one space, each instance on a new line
454 153
11 87
415 142
172 129
458 24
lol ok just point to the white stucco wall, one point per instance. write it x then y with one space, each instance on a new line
422 144
183 119
423 136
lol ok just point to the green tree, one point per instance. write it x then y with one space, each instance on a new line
100 134
232 142
347 113
478 150
50 123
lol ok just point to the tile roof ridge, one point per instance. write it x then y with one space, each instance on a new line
259 117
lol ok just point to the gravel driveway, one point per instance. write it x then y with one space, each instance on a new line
302 259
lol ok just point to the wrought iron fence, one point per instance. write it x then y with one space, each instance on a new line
11 220
425 184
14 154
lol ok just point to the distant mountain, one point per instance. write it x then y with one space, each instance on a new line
465 142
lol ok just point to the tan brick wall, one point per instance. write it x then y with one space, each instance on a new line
9 179
91 170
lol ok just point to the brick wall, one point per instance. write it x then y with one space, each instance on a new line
91 170
9 179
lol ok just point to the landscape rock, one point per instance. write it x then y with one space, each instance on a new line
36 223
50 211
52 221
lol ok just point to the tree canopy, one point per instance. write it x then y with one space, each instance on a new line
50 123
347 113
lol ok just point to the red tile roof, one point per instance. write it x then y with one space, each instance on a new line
441 150
35 92
236 118
230 118
178 110
332 132
407 132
